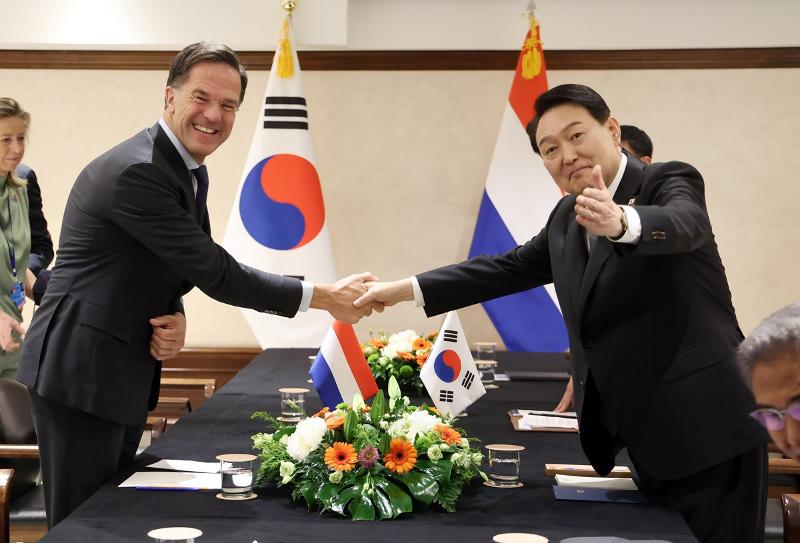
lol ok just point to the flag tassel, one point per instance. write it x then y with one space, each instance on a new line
285 60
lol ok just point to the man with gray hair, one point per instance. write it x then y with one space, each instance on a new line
770 362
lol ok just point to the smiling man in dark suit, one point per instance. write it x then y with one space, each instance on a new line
135 238
652 329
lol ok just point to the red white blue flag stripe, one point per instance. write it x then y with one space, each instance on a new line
519 197
340 370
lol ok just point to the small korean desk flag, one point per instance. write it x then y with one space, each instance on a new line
340 370
450 375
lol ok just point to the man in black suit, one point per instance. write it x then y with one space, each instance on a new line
135 238
651 326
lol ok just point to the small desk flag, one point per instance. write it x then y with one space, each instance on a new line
340 370
450 375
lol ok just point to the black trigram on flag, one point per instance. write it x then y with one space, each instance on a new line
451 336
285 112
446 396
466 382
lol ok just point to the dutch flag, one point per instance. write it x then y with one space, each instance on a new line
340 370
519 197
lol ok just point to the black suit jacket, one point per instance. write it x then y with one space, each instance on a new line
41 242
130 247
651 326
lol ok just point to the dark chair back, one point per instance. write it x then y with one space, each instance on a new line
16 428
6 477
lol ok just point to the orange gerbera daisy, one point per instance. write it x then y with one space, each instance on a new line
377 343
421 359
449 435
334 422
401 456
322 412
405 356
422 344
341 456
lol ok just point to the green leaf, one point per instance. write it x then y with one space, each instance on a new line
440 470
383 505
339 501
384 444
362 509
399 498
326 493
373 357
378 408
350 424
423 487
309 489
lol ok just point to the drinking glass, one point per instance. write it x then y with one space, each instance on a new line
293 401
486 362
237 476
504 465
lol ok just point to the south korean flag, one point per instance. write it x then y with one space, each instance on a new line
450 375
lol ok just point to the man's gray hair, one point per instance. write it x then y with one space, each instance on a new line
776 336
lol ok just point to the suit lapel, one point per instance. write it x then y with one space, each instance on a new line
176 164
629 186
576 256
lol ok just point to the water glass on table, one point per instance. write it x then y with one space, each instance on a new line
504 463
486 362
237 476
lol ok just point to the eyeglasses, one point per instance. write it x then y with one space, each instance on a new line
228 108
774 419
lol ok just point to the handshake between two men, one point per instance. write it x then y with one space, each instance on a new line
357 296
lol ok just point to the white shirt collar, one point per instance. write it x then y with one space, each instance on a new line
191 163
612 188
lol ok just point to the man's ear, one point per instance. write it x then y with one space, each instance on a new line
169 97
612 125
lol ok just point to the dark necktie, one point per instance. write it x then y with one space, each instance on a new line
201 175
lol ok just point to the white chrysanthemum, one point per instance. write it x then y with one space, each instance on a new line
400 342
410 426
306 437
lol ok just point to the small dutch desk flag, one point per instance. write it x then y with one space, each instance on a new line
340 370
450 375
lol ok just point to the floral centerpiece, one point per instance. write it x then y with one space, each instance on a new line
401 356
370 462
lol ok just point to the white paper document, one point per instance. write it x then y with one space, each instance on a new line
178 480
608 483
566 414
186 465
530 422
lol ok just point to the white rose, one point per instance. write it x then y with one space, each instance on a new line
306 437
400 342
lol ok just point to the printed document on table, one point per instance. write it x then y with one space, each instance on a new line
173 479
529 422
186 465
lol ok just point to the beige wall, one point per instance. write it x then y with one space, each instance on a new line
403 157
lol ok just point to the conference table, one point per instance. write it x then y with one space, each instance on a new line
223 425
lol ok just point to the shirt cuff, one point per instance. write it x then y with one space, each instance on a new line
419 299
634 232
308 293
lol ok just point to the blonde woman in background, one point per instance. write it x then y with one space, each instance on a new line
15 234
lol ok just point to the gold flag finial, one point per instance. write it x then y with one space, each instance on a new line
285 57
532 58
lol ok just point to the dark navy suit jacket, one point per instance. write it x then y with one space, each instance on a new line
130 247
651 326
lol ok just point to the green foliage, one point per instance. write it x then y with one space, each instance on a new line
370 491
